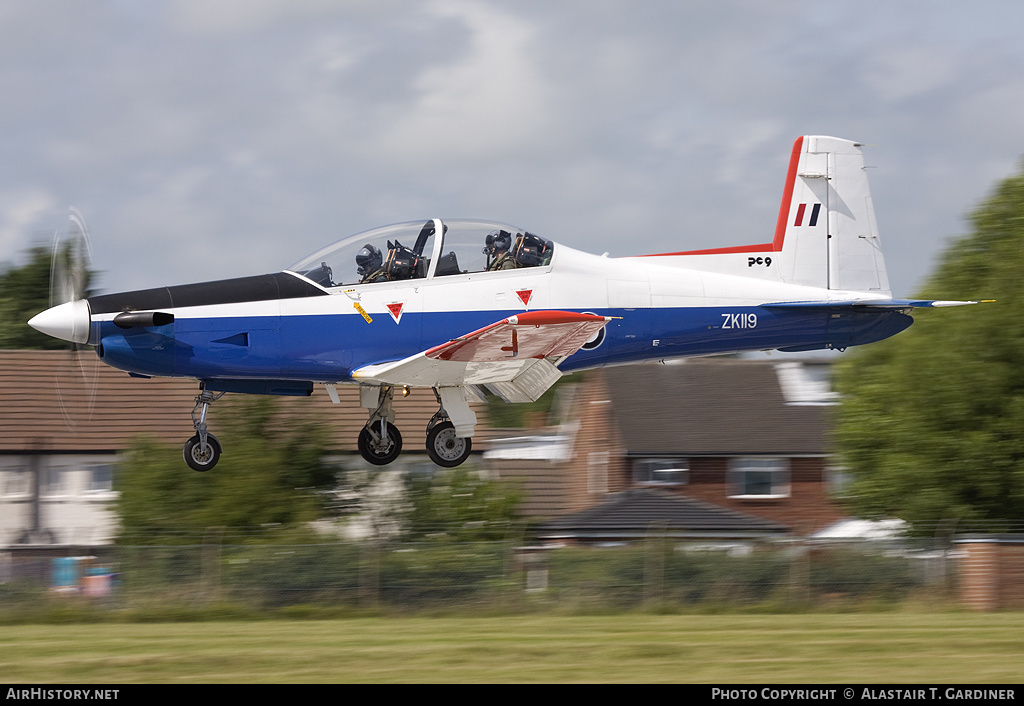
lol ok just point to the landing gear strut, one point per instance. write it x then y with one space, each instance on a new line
379 441
202 451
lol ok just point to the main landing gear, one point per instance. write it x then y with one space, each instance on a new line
202 451
380 442
444 447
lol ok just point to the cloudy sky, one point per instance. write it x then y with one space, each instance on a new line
204 139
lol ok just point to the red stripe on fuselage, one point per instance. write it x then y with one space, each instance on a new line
780 224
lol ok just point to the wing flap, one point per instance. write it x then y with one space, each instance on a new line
528 385
503 352
533 334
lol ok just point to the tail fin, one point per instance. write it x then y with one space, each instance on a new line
826 235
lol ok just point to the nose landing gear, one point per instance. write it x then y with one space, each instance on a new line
202 451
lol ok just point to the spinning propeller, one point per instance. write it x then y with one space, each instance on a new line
69 287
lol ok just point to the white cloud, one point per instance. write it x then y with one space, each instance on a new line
489 101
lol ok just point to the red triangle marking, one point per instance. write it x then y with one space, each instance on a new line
396 310
525 295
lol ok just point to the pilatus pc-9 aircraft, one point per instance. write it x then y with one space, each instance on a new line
459 305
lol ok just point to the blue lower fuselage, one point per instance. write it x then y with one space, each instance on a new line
327 348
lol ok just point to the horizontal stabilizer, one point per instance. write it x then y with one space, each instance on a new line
875 304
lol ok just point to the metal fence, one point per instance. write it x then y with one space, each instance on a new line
496 575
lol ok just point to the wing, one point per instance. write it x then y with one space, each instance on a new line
516 358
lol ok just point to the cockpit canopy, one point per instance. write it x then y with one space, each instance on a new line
412 251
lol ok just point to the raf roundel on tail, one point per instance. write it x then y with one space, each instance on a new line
462 305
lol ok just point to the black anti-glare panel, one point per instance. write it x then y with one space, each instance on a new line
279 285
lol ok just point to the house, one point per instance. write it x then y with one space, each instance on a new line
749 437
65 417
746 436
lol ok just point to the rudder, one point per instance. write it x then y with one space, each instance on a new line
825 235
829 235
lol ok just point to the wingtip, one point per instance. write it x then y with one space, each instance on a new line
941 304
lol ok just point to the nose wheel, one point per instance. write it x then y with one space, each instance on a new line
199 458
445 448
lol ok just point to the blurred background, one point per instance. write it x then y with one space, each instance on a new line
205 140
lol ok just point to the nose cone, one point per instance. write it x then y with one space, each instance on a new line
69 321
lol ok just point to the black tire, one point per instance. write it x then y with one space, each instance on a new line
194 456
445 448
380 452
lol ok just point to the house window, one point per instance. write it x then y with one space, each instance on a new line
101 477
597 472
838 479
661 471
17 481
53 481
759 478
806 384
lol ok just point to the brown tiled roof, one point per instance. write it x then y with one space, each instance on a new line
711 406
635 513
57 401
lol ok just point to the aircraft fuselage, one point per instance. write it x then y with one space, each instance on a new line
282 328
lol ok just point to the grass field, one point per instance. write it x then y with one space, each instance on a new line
719 649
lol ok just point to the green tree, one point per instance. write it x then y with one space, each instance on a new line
459 504
932 422
24 292
269 478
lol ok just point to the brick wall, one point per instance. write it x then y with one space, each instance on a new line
597 465
991 571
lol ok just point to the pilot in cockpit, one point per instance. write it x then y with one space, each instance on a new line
402 263
370 265
496 247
